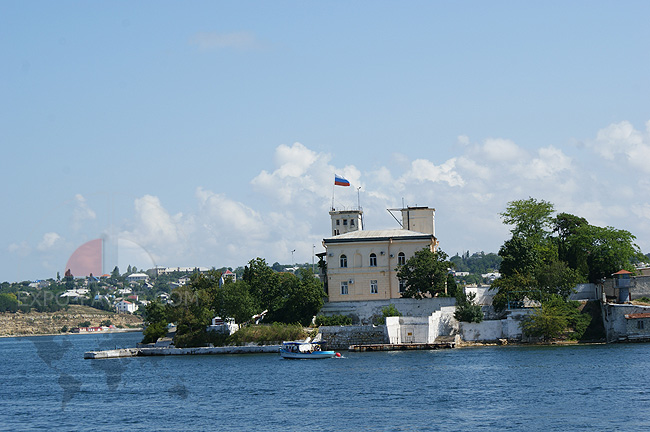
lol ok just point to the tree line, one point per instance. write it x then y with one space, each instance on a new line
286 297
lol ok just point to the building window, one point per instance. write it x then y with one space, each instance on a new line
345 221
640 325
402 285
401 258
344 288
344 261
338 222
373 260
373 287
351 222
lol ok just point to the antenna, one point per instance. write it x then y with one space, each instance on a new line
358 198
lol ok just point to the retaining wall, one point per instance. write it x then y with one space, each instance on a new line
367 312
341 337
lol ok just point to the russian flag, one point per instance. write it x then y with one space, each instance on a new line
340 181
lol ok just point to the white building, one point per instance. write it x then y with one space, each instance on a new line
125 307
361 264
137 277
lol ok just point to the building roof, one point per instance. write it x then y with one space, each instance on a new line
378 235
637 315
621 272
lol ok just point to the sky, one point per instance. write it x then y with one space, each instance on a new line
208 133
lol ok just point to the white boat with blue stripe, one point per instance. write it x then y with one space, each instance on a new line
305 350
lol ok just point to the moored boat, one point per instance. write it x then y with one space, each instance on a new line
304 350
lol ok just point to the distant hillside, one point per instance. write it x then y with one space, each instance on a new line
37 323
477 263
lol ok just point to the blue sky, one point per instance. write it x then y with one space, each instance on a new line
208 133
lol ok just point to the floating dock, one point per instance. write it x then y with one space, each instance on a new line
147 352
402 347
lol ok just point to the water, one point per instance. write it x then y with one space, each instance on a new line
47 385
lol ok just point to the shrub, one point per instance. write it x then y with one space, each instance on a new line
334 320
265 334
388 311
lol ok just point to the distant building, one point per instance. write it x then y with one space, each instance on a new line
227 275
75 293
125 307
361 264
167 270
137 277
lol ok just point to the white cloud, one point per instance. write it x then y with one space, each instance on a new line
549 163
621 142
49 240
82 212
156 231
501 150
21 249
216 41
227 218
288 204
301 175
423 170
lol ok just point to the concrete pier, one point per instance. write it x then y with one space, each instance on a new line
402 347
142 352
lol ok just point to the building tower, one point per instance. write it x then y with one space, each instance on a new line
344 221
419 219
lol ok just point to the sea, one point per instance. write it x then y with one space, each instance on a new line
47 385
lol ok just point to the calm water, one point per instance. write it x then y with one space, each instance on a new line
47 385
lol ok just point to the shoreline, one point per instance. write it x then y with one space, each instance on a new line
74 334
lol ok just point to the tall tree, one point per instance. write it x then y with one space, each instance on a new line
537 265
424 274
530 218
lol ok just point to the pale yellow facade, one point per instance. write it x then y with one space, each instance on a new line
362 265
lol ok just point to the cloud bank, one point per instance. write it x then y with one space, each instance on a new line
604 180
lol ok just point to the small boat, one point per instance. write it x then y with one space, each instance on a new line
304 350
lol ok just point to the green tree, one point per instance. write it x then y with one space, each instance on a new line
557 278
191 312
513 289
467 310
234 300
537 265
424 274
8 302
263 282
300 300
519 256
556 318
530 218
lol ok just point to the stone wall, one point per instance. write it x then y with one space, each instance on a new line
341 337
640 287
584 292
367 312
492 330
